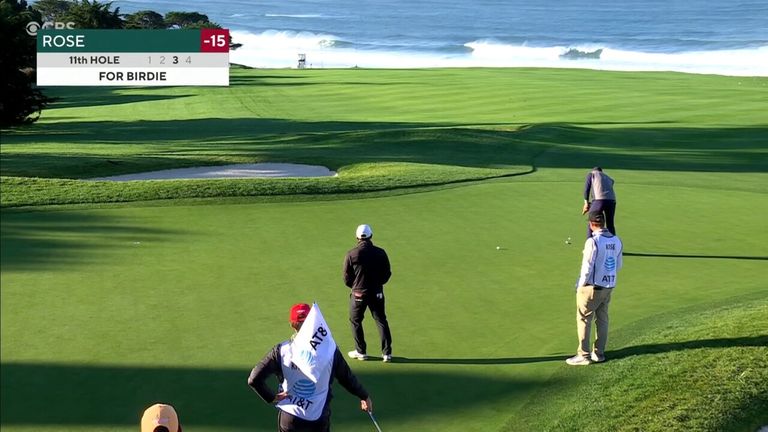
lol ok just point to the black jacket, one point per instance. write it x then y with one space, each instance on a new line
271 365
366 268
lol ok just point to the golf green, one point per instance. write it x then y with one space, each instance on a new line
118 308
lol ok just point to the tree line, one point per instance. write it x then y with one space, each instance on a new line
87 14
20 100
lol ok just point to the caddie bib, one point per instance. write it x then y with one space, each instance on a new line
306 399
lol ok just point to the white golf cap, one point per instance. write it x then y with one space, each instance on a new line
364 231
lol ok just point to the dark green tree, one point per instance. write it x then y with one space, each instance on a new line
90 14
52 10
20 99
145 19
202 25
187 20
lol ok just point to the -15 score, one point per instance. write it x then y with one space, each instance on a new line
170 60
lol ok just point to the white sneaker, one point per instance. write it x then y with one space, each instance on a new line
578 360
387 358
356 355
596 358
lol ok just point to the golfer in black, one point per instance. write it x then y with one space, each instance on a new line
366 270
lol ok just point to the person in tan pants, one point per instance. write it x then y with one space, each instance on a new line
600 262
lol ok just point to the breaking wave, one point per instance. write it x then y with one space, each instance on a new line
280 49
293 16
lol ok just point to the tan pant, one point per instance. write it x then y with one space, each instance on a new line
591 303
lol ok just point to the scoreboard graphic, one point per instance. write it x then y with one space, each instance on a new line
198 57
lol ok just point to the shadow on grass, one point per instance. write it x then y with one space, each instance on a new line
95 96
287 81
752 341
51 394
745 341
44 240
480 361
143 144
660 255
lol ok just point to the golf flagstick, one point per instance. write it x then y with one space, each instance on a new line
373 419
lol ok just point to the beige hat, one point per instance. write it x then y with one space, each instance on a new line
160 415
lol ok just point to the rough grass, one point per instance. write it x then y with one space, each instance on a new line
704 371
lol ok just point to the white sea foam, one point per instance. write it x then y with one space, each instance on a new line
280 49
274 15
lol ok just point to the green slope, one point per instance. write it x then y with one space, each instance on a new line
699 368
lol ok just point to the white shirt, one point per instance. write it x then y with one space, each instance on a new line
601 260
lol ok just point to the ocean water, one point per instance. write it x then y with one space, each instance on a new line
727 37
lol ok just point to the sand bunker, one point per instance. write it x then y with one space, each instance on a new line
229 172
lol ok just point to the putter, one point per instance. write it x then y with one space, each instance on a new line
373 419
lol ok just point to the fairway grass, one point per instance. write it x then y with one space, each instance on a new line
383 130
119 295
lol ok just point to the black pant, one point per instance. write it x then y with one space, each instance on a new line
290 423
608 207
357 306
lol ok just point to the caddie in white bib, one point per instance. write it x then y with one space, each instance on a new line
306 398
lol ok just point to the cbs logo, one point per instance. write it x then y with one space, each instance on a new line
33 27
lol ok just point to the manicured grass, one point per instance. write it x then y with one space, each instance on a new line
502 121
133 305
354 179
119 306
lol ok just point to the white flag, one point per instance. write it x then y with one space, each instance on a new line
313 348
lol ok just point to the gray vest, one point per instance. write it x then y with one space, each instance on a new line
602 186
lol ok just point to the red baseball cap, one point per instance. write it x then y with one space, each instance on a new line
299 312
